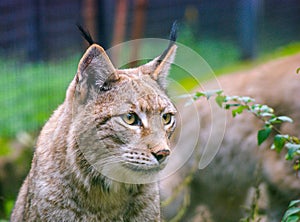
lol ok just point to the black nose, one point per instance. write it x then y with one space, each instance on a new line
161 155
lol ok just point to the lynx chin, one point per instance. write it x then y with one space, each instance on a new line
97 157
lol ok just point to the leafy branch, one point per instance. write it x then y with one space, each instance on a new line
240 104
293 212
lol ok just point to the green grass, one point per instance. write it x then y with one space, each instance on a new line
218 53
224 57
282 51
30 92
5 146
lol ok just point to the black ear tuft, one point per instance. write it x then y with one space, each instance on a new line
158 68
86 35
172 38
173 33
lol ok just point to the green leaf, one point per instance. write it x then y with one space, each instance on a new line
293 150
274 120
266 109
228 106
198 95
239 110
290 214
255 108
297 71
208 94
293 203
246 99
293 218
219 92
261 110
280 119
285 119
220 100
234 98
279 141
263 134
266 115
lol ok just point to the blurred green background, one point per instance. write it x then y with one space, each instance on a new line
40 48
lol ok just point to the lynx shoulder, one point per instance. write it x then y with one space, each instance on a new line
98 156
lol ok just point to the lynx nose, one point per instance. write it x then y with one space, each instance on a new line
161 155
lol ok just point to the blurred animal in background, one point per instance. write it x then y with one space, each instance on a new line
223 191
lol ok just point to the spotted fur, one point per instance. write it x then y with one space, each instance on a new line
89 164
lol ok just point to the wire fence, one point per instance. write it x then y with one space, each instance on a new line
40 45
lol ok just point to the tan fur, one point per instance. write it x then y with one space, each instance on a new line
223 186
87 156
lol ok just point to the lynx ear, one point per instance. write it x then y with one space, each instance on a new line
159 68
95 72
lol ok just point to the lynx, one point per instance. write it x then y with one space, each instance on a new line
98 156
223 187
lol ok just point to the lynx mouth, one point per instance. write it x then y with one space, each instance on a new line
141 161
139 167
131 173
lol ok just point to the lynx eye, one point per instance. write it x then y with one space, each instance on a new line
132 119
167 118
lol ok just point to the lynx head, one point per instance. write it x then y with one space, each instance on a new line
122 119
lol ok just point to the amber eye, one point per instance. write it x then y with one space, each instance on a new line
167 118
131 119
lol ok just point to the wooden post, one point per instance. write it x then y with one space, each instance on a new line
247 27
120 22
119 28
138 28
